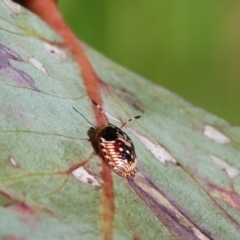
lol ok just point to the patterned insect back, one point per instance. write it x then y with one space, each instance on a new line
114 146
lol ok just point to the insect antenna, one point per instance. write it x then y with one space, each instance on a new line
104 114
83 116
129 120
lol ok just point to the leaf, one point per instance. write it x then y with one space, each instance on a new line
187 181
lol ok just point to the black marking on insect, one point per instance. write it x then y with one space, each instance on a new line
114 146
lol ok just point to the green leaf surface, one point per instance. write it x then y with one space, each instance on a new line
187 182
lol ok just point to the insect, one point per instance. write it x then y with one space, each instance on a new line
114 146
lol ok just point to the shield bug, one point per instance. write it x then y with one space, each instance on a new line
114 146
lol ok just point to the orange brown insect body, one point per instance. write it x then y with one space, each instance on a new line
114 146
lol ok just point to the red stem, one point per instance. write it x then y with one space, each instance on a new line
48 11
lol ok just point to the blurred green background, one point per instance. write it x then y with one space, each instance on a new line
189 47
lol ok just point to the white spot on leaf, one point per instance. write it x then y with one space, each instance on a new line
231 171
37 64
56 51
215 135
82 175
156 149
16 8
13 162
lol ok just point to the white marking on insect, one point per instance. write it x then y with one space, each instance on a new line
110 147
